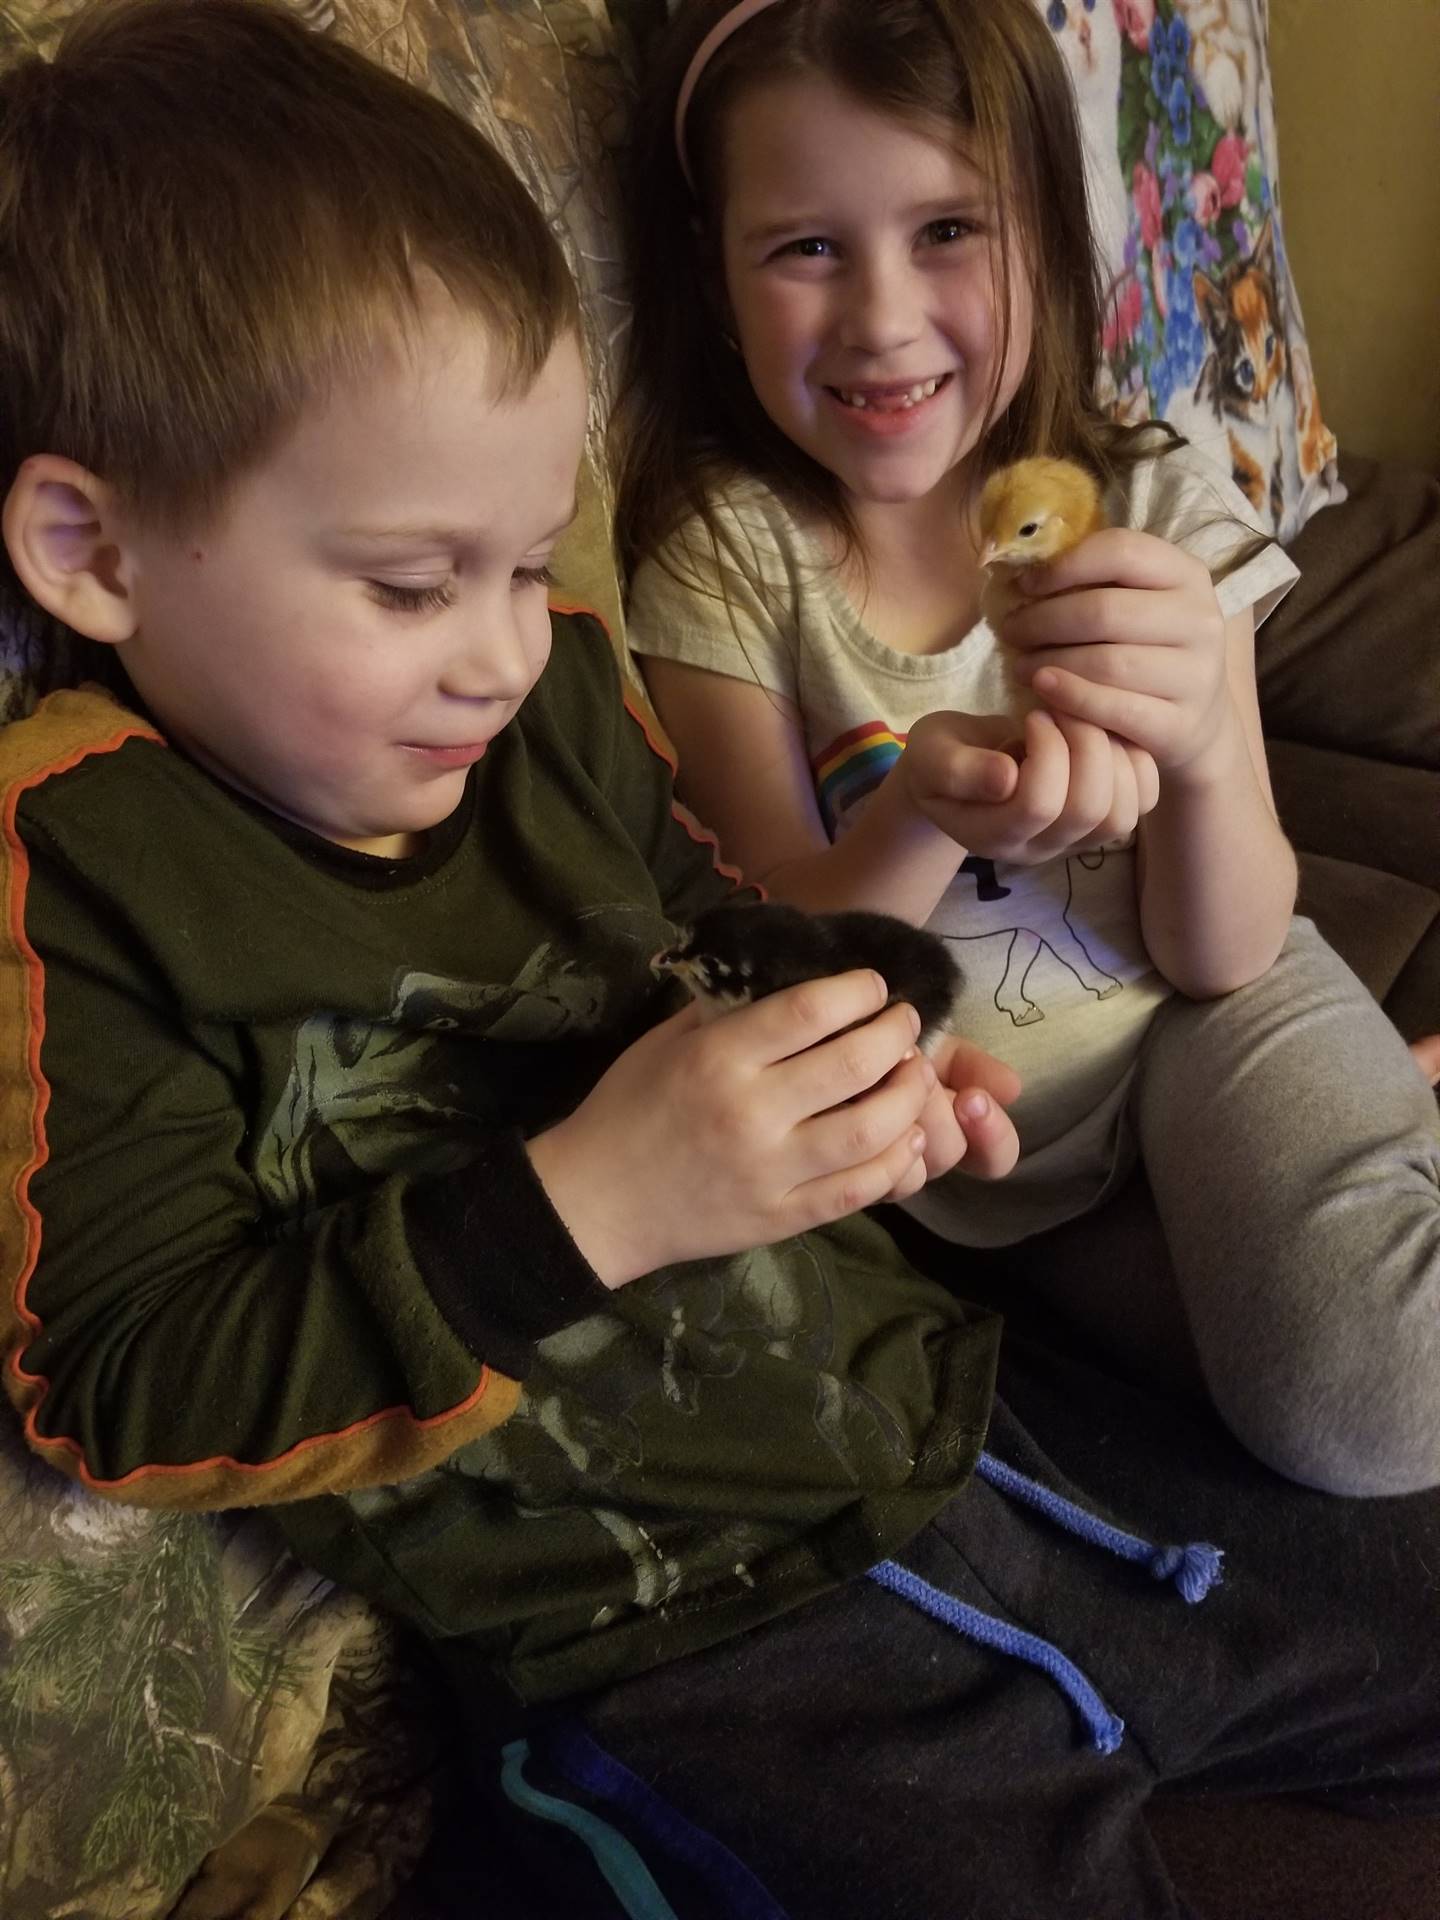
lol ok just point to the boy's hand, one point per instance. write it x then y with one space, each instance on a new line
965 1119
1126 633
1075 788
711 1138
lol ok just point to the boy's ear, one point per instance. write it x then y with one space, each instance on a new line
62 530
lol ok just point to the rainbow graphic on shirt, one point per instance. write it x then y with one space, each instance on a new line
853 766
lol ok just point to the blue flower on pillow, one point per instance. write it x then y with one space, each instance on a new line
1179 105
1186 241
1162 71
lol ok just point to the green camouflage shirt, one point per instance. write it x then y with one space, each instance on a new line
272 1236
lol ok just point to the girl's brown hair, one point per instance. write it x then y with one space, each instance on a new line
206 213
985 72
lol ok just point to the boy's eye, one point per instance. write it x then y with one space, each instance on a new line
409 599
532 577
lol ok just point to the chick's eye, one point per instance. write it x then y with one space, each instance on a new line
1029 530
409 599
532 577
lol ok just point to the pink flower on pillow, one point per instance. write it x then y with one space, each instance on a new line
1135 18
1122 322
1159 270
1147 205
1227 164
1205 199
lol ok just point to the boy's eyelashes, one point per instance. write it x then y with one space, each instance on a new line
410 599
431 599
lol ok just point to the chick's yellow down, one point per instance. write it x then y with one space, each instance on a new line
1030 513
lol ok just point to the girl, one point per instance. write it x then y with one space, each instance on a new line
881 213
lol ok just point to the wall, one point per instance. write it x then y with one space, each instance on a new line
1357 100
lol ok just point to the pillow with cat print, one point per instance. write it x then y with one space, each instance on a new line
1203 324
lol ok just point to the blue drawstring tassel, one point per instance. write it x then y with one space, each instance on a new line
1106 1729
1194 1569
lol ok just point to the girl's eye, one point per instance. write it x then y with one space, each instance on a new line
812 247
944 233
410 599
532 577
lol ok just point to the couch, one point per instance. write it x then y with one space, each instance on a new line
297 1764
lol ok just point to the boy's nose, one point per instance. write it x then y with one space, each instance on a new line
496 660
884 308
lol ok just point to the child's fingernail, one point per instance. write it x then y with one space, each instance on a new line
975 1106
1044 681
880 986
928 1074
917 1143
914 1021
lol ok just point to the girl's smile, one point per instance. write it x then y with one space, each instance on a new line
862 268
887 411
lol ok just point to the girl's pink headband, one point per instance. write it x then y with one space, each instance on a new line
727 24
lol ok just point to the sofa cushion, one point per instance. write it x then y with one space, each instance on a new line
1351 658
1374 920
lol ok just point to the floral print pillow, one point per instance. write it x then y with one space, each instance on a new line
1203 324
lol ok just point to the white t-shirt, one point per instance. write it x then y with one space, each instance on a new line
1057 978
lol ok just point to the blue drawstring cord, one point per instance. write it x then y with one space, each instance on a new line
1194 1569
1107 1729
585 1764
630 1879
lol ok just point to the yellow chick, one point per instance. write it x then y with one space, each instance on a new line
1030 513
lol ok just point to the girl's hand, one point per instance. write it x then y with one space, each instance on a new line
965 1119
1126 633
711 1138
1075 788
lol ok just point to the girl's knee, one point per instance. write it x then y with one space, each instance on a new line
1338 1443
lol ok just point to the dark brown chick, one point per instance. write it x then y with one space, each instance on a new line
733 955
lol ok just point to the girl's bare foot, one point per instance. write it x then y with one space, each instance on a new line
1427 1057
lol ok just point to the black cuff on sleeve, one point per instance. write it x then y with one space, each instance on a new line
496 1256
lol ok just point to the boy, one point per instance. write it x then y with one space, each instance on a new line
335 1102
339 953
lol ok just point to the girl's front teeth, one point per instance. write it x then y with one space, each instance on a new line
890 401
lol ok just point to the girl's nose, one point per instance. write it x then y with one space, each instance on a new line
884 308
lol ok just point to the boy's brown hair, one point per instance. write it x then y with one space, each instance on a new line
206 213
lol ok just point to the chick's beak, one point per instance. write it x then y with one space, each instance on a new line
987 553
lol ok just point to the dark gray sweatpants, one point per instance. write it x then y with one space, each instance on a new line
867 1764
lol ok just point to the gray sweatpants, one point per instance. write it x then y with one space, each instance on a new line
1293 1150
